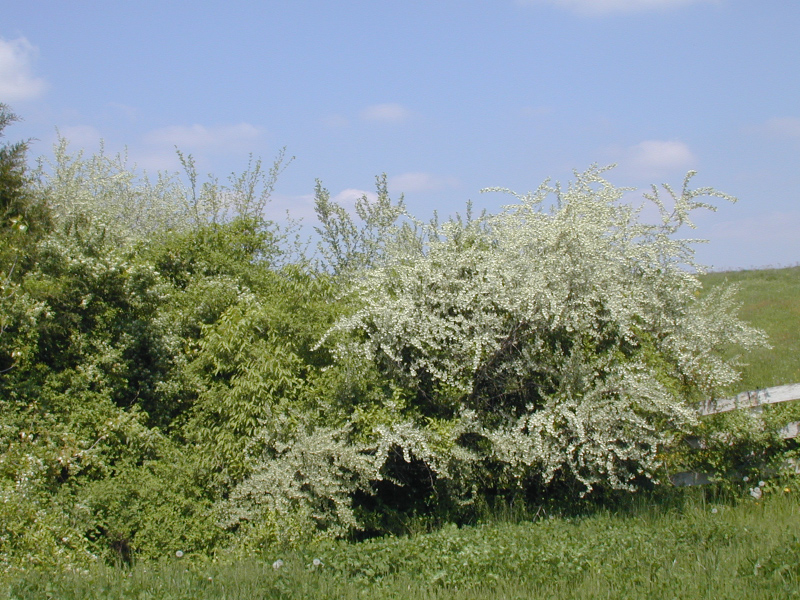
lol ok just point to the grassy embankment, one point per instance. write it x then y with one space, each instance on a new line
771 301
688 543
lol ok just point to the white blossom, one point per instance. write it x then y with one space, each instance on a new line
572 332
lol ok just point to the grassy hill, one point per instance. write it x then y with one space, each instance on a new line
771 301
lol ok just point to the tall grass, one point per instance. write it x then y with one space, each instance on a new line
696 545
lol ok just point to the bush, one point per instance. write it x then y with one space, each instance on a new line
168 364
566 340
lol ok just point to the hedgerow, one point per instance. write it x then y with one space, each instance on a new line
175 375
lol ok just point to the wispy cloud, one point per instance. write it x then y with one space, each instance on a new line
17 81
221 138
386 113
130 113
780 127
155 160
420 182
657 158
297 207
349 196
604 7
85 137
156 152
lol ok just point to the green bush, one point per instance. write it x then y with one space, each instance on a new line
561 339
175 376
152 509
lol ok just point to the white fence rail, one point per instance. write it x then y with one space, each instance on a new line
753 400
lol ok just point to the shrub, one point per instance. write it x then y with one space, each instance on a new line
566 338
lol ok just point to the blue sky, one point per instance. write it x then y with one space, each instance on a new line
444 96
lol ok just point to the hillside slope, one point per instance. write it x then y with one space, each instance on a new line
771 301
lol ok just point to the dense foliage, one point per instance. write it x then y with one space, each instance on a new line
176 374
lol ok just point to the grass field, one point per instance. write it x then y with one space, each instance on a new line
771 301
691 546
673 543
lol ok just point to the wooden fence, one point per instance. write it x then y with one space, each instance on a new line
753 400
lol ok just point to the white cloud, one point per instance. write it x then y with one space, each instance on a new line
781 127
386 113
130 113
17 82
154 161
349 196
656 158
420 182
602 7
85 137
221 138
298 207
156 152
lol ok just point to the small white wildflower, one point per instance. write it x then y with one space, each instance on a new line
745 479
756 493
714 511
762 483
179 554
318 563
277 564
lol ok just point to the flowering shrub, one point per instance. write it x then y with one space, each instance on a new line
567 338
170 364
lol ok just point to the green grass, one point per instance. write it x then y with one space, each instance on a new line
692 546
770 301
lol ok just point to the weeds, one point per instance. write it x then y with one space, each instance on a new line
692 545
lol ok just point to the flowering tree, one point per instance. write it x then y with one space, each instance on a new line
564 338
